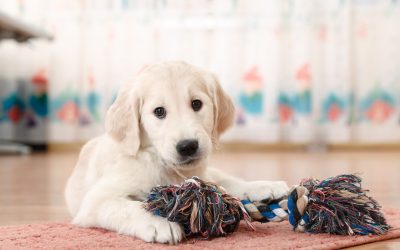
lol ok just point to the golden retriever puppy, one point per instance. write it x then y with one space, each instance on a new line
160 129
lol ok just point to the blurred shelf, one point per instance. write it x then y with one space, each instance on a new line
14 148
12 28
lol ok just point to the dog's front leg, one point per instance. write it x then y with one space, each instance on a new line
252 190
109 207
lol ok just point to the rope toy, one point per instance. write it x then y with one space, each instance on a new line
337 205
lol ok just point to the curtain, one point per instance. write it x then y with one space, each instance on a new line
299 71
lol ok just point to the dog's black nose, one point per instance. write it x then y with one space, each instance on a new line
187 147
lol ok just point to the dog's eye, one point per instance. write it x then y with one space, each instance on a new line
196 105
160 112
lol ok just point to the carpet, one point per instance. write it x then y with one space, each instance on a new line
61 235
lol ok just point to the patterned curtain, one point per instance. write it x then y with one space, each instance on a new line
299 71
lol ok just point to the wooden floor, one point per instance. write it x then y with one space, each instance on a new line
31 187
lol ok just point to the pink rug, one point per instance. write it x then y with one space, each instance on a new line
267 236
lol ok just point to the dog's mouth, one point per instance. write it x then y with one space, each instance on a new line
188 161
185 162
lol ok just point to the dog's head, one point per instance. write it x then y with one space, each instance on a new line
177 109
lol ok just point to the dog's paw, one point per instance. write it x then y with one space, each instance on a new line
265 190
160 230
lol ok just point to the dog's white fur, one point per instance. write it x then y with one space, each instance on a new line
115 171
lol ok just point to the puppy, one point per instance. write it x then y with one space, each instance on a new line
160 130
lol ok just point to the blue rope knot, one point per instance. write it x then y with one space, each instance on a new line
292 208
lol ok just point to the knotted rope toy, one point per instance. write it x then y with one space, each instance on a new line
337 205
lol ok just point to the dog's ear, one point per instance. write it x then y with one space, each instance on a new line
224 111
122 120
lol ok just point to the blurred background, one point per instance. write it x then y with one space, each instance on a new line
300 72
316 85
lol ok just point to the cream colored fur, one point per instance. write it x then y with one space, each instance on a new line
115 171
